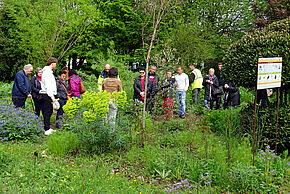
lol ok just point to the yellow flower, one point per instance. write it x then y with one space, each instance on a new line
66 165
134 180
60 184
67 176
72 165
67 171
92 191
61 180
74 176
44 179
67 187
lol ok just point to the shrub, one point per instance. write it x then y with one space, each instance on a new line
241 58
5 89
172 125
220 121
19 124
60 143
266 124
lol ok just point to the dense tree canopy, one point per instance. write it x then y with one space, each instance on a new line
241 58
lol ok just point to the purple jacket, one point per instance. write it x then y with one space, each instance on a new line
75 85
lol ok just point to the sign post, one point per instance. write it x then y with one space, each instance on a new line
269 74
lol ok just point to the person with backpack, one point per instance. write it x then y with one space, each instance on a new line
62 95
75 83
36 90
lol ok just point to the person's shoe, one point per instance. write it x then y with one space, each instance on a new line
48 132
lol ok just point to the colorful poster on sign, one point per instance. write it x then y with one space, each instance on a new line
269 73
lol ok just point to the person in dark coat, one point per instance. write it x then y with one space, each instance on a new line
36 90
262 97
232 96
168 94
219 76
62 94
21 87
139 88
211 84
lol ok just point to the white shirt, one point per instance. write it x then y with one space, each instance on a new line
48 83
182 81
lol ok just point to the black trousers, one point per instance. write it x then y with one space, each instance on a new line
47 111
19 101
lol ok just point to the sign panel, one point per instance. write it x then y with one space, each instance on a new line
269 73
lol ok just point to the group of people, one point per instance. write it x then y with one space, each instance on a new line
50 91
216 90
47 90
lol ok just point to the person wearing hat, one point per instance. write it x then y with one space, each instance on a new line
139 88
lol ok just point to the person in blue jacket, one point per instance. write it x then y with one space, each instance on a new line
21 87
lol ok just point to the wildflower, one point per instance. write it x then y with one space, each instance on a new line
288 163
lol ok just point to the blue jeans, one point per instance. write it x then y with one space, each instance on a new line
180 98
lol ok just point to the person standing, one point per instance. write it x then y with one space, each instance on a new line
112 84
21 87
195 82
74 83
154 81
168 94
139 88
211 84
103 75
219 76
48 85
36 91
62 95
182 83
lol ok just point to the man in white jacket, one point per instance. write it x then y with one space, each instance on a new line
48 86
182 83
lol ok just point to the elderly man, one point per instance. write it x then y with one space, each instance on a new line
21 87
104 75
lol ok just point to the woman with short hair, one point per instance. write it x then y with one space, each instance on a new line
36 90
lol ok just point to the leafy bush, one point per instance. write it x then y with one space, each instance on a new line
241 58
94 104
172 125
220 121
97 136
5 89
61 143
19 124
266 124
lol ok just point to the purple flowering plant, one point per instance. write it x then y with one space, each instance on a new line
19 124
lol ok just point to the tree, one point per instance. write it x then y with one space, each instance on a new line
241 58
154 11
269 11
50 28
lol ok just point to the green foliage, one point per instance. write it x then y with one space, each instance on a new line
50 32
5 89
241 58
61 143
220 121
266 124
172 125
82 174
97 136
94 104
